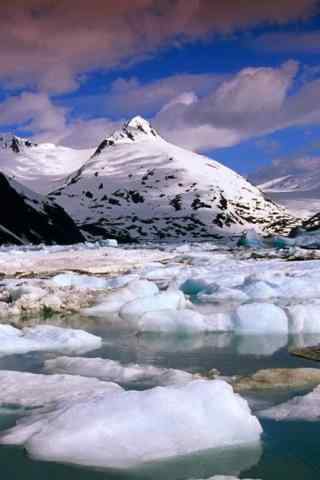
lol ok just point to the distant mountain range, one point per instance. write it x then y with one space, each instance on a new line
135 186
299 191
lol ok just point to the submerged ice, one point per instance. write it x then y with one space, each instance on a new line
305 407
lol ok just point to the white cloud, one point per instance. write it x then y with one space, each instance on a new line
37 112
200 112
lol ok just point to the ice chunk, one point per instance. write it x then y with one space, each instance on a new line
216 294
169 300
33 390
299 288
259 290
46 338
260 318
33 292
251 239
193 286
304 318
79 281
163 273
181 321
110 242
127 428
305 407
113 371
113 301
121 281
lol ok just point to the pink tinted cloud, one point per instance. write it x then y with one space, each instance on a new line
51 42
290 42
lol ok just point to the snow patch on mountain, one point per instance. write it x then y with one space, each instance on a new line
41 167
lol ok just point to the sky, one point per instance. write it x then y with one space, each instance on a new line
238 80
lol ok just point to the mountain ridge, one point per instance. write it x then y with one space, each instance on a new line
33 218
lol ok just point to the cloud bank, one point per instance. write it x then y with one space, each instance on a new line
51 43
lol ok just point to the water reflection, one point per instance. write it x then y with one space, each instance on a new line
265 345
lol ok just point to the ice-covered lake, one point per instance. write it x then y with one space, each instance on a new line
126 358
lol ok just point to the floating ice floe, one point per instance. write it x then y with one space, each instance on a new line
114 371
217 294
112 302
31 390
93 282
306 407
46 338
304 318
169 300
79 281
182 321
260 318
120 429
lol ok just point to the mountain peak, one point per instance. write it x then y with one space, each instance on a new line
16 144
135 130
140 123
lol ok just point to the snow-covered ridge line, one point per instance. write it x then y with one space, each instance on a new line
15 143
136 129
41 167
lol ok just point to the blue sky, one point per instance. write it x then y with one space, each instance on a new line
190 78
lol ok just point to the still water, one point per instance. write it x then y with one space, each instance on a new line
289 450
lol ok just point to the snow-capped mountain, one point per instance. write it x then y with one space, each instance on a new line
40 167
137 186
297 188
293 183
27 217
300 194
